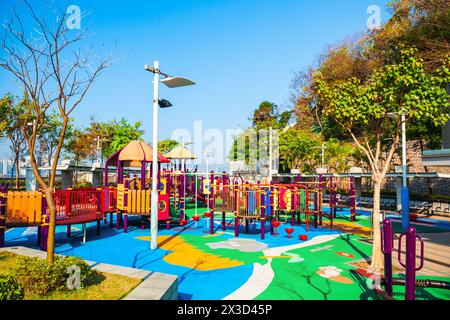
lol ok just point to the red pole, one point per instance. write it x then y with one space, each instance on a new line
263 212
236 209
272 206
211 204
307 208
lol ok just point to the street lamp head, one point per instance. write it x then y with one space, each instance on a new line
169 81
393 115
163 103
175 82
149 68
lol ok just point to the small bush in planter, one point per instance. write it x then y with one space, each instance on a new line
34 275
60 270
10 289
39 277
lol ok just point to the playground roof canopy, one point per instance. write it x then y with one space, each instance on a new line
180 152
134 153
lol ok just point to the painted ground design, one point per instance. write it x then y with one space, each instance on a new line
221 266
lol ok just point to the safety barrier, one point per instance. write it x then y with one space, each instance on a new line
138 202
77 206
29 208
109 199
24 207
256 202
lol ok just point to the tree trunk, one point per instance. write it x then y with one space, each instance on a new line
17 172
12 173
52 224
377 256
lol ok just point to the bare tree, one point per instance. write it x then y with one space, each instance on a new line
17 147
54 74
49 137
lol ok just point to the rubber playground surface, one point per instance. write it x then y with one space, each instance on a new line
220 266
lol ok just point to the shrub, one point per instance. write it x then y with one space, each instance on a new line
87 275
34 275
39 277
10 289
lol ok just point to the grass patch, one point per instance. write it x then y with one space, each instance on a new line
111 287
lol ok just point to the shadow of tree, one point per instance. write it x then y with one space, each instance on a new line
308 275
364 286
348 240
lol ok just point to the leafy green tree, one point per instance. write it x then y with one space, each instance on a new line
338 155
268 115
4 106
299 149
81 145
110 136
12 130
120 133
365 111
165 146
424 24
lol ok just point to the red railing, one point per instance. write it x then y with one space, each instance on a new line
108 199
78 205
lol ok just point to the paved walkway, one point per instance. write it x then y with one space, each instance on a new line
437 254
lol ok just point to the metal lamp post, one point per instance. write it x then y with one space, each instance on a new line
270 155
171 82
207 155
405 189
322 154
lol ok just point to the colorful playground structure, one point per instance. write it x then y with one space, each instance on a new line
219 192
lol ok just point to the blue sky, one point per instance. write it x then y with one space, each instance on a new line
238 52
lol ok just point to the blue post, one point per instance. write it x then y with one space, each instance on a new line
405 208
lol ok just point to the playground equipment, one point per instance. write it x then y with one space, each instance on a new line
250 203
336 200
410 282
133 196
26 209
254 203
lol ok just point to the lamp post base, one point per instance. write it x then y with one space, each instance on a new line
405 208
